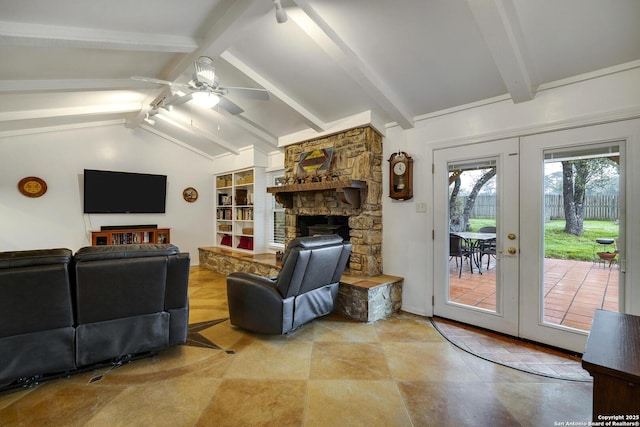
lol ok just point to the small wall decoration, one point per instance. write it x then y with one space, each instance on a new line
315 161
190 194
32 186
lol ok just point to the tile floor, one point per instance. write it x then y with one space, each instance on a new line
330 372
573 289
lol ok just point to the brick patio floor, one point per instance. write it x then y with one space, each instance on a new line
573 290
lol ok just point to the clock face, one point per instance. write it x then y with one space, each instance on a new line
399 168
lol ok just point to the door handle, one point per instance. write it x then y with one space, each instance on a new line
511 250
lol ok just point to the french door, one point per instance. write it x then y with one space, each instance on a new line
507 293
483 291
538 304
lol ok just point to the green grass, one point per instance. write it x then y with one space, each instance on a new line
561 245
477 224
567 246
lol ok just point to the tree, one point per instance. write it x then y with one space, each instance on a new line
574 182
454 211
457 223
576 176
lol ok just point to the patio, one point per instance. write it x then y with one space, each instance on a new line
573 290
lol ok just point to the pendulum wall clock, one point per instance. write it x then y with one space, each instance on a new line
400 176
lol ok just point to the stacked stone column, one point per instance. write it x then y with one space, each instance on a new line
357 154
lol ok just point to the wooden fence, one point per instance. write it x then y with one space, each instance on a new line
602 207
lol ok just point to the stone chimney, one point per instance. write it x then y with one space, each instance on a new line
357 155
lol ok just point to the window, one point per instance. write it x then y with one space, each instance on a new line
276 212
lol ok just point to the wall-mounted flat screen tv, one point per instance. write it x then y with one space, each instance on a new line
124 192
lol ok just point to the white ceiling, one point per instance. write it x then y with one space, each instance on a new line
68 63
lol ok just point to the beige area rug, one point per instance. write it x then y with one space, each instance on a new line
512 352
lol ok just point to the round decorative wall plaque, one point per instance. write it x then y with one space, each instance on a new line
190 194
32 186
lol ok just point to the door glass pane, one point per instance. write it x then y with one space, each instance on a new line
581 213
472 233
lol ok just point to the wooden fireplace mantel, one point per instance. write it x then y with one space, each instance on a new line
347 189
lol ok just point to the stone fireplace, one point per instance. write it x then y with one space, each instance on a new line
346 201
313 225
351 195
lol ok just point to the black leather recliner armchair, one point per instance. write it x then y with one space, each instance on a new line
306 288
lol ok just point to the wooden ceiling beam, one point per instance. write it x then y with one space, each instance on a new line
311 119
67 85
500 27
361 72
39 35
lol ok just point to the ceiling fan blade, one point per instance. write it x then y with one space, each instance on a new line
157 81
231 107
247 92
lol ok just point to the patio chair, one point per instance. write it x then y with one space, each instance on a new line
459 249
487 247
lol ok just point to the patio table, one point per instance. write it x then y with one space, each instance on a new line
474 240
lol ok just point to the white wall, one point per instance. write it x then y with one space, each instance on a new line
407 243
57 220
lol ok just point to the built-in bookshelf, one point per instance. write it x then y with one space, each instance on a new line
130 236
240 198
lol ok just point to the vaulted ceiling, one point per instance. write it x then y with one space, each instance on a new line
68 63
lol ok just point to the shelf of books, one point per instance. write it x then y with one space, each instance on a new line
240 197
130 236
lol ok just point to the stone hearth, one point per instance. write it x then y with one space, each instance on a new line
362 298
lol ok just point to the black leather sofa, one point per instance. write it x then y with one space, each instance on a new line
306 288
37 333
60 313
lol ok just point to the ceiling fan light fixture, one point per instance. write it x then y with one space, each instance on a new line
205 99
281 14
205 70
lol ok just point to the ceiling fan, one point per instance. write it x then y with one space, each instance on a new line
205 89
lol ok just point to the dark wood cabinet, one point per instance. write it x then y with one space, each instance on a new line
129 236
612 357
